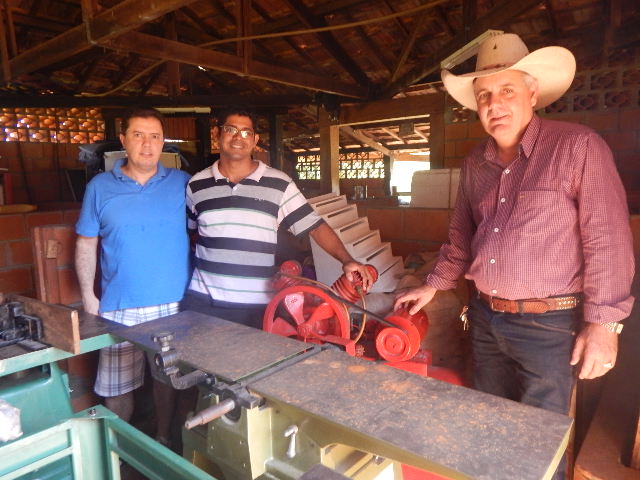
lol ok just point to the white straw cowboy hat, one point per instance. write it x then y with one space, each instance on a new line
553 67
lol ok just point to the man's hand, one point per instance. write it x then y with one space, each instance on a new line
416 298
352 266
91 304
597 347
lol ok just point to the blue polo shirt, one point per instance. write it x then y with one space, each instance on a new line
143 236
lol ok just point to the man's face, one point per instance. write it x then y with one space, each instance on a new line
143 142
232 145
505 105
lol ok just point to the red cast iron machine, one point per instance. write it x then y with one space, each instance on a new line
312 312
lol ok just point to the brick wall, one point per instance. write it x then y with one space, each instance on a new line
38 170
408 229
16 255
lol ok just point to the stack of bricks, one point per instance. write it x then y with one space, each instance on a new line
16 251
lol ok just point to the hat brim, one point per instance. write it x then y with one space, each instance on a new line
553 67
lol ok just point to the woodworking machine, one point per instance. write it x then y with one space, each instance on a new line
270 407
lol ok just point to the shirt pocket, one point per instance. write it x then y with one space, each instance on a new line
542 212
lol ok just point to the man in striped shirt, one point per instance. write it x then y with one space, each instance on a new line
236 206
541 227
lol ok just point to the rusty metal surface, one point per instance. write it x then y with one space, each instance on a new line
478 435
228 350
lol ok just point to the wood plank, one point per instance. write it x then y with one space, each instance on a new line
157 47
361 137
47 286
123 17
61 325
394 109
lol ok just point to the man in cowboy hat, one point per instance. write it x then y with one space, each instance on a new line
540 226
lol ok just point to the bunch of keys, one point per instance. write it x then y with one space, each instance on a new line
464 318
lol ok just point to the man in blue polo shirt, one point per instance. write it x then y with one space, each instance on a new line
136 215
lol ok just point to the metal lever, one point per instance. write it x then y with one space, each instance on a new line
291 431
209 414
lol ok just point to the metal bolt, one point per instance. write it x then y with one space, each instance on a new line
92 412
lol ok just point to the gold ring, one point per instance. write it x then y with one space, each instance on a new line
608 365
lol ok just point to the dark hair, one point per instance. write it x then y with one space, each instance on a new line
141 112
241 111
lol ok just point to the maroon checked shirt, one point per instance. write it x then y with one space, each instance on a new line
553 222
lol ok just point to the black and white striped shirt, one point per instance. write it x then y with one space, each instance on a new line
237 231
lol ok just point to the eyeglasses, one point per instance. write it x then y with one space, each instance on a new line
244 132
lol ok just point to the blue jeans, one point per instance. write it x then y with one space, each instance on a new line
525 357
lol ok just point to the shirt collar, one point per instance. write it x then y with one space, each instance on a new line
256 175
527 142
119 174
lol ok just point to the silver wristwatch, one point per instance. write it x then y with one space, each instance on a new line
615 327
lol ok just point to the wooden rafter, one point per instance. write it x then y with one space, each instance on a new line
151 46
44 24
329 42
243 21
418 24
4 49
121 18
498 16
321 9
11 31
392 134
86 74
172 68
377 54
361 137
268 20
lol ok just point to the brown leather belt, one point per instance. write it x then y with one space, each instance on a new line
531 305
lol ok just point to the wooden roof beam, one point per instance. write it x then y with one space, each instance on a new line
156 47
500 15
291 42
329 41
392 134
361 137
408 44
321 9
121 18
258 102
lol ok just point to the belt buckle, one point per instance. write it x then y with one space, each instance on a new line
495 309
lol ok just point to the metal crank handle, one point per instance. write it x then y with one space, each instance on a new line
209 414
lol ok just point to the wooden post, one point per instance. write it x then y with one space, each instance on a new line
436 140
173 68
329 152
4 52
276 152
